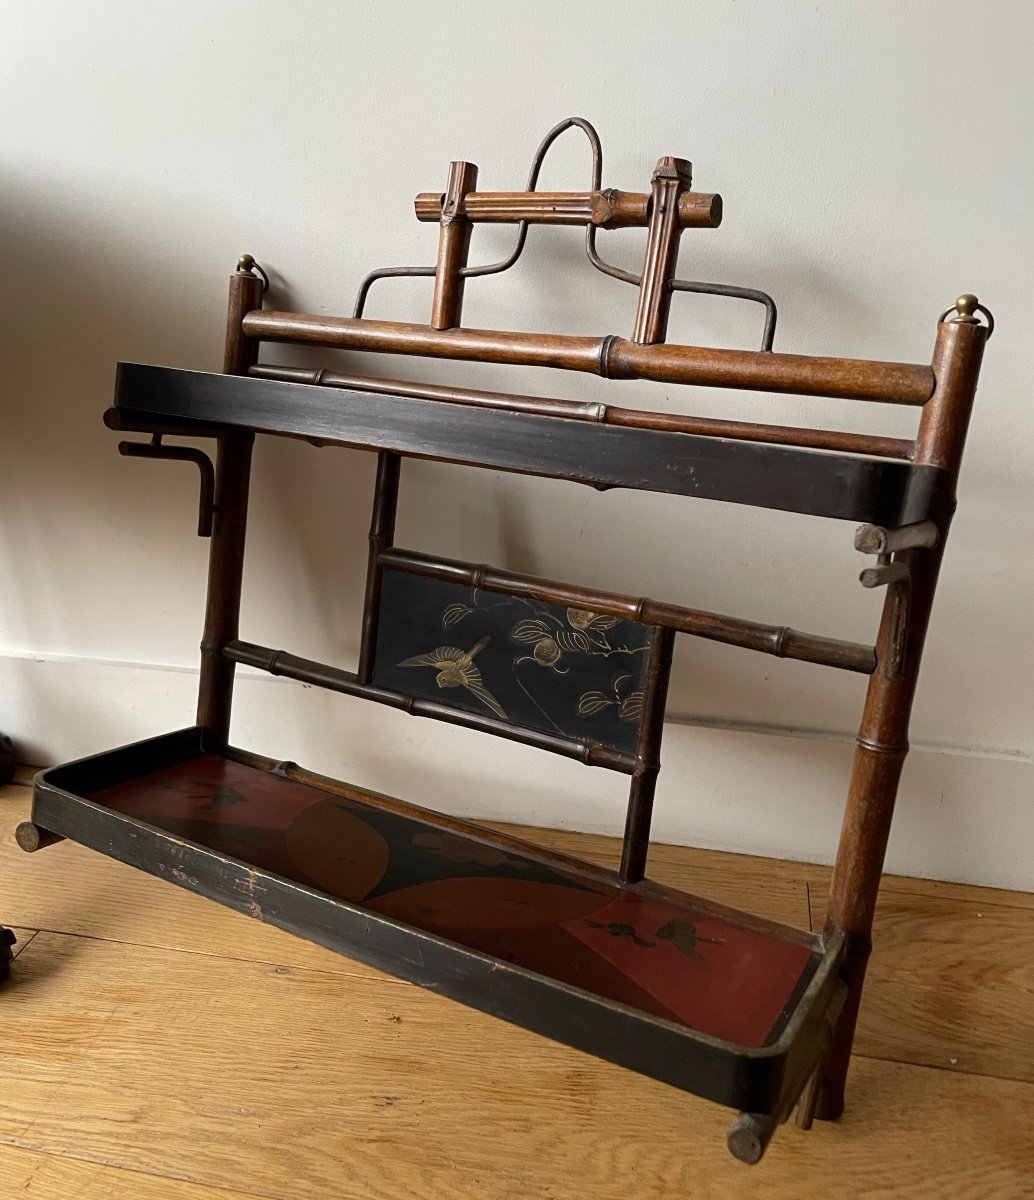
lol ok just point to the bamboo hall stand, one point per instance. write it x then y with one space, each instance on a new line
746 1012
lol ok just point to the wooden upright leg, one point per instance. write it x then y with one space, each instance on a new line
382 535
225 576
636 844
226 552
882 742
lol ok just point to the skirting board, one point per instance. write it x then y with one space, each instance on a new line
962 816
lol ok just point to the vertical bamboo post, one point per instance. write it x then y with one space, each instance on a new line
882 742
672 177
453 246
446 309
226 552
382 535
636 844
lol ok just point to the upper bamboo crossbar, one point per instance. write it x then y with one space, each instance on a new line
609 357
607 209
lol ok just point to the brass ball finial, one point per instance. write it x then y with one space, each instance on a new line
964 312
246 265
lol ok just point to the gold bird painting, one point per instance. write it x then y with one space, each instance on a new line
456 668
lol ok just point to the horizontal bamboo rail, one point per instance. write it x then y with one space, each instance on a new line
575 410
610 357
607 209
779 641
604 414
334 679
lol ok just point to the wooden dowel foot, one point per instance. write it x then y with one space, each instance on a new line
749 1135
31 838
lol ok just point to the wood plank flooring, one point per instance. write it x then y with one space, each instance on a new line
50 1177
155 1044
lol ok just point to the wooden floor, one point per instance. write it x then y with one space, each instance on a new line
153 1044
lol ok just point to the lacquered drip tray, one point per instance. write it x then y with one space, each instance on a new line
676 987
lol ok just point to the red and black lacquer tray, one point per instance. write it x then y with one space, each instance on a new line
717 1002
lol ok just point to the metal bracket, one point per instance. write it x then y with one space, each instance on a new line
894 573
884 573
155 449
875 539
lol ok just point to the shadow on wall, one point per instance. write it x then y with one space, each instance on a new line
77 303
104 562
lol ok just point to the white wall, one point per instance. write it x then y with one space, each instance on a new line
875 161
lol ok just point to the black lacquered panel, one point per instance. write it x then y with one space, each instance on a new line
847 486
535 665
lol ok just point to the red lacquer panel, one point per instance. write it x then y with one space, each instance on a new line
709 973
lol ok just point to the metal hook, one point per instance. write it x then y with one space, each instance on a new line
155 449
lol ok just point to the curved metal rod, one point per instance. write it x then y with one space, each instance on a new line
606 267
533 179
738 293
522 227
685 285
385 273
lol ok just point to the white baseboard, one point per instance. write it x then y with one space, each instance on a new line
963 815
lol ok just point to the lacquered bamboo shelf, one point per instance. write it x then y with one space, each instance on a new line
697 995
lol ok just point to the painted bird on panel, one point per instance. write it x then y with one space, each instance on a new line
456 668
